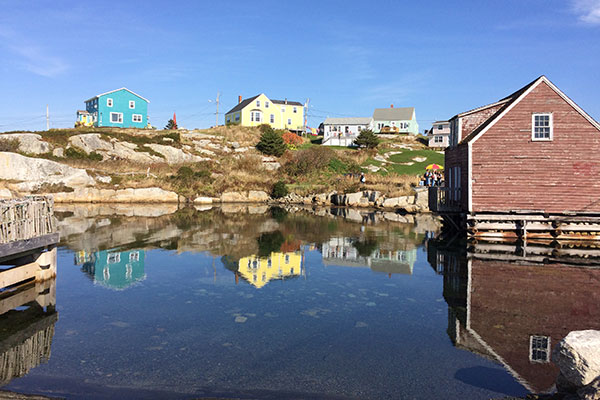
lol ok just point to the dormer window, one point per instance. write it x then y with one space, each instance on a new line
109 102
541 127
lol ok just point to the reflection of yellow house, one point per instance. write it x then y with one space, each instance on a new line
259 271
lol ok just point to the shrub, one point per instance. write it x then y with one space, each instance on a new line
291 139
11 145
271 142
309 160
279 190
75 154
367 138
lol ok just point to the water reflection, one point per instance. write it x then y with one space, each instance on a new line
27 320
112 268
512 303
191 306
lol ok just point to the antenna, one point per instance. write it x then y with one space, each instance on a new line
306 115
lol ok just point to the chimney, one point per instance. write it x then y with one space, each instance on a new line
286 100
392 106
239 99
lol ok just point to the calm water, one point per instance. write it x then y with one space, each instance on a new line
264 303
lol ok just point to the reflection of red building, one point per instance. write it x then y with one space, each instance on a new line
515 313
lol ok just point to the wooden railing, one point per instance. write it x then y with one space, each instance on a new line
26 218
444 199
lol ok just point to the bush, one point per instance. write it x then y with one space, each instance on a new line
75 154
291 140
367 138
271 142
10 145
279 190
309 160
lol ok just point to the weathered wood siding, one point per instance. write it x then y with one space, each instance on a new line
512 172
470 122
458 157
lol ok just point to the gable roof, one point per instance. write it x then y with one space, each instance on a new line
393 114
242 104
287 102
116 90
348 121
245 102
511 100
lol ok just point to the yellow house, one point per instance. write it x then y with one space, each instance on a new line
259 271
257 110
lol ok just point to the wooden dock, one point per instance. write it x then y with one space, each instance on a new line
28 238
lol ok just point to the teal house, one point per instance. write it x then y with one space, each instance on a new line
120 108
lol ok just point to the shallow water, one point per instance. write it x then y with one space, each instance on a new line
266 303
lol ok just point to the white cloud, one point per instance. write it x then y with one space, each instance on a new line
37 61
588 10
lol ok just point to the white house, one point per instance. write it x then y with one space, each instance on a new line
343 131
439 134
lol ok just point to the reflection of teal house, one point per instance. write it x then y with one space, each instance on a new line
113 269
120 108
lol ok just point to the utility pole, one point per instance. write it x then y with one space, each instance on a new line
217 113
47 118
306 116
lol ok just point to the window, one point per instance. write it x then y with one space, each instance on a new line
257 103
287 258
295 110
136 117
237 117
228 119
272 119
131 104
438 139
289 121
269 262
134 256
113 258
541 127
440 127
539 349
109 102
255 116
266 104
116 118
283 109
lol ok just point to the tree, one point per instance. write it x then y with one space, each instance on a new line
367 138
171 125
271 142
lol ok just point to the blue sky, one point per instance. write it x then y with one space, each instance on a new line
348 57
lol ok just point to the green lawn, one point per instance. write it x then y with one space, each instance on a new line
417 168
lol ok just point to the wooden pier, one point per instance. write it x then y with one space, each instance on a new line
28 239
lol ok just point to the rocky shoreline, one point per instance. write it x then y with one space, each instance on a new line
416 203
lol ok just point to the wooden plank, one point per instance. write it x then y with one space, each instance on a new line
18 248
15 275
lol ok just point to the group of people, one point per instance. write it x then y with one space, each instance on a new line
432 178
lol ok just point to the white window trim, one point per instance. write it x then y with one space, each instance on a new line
109 102
266 104
257 103
533 138
137 115
289 121
131 104
295 110
120 118
547 350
